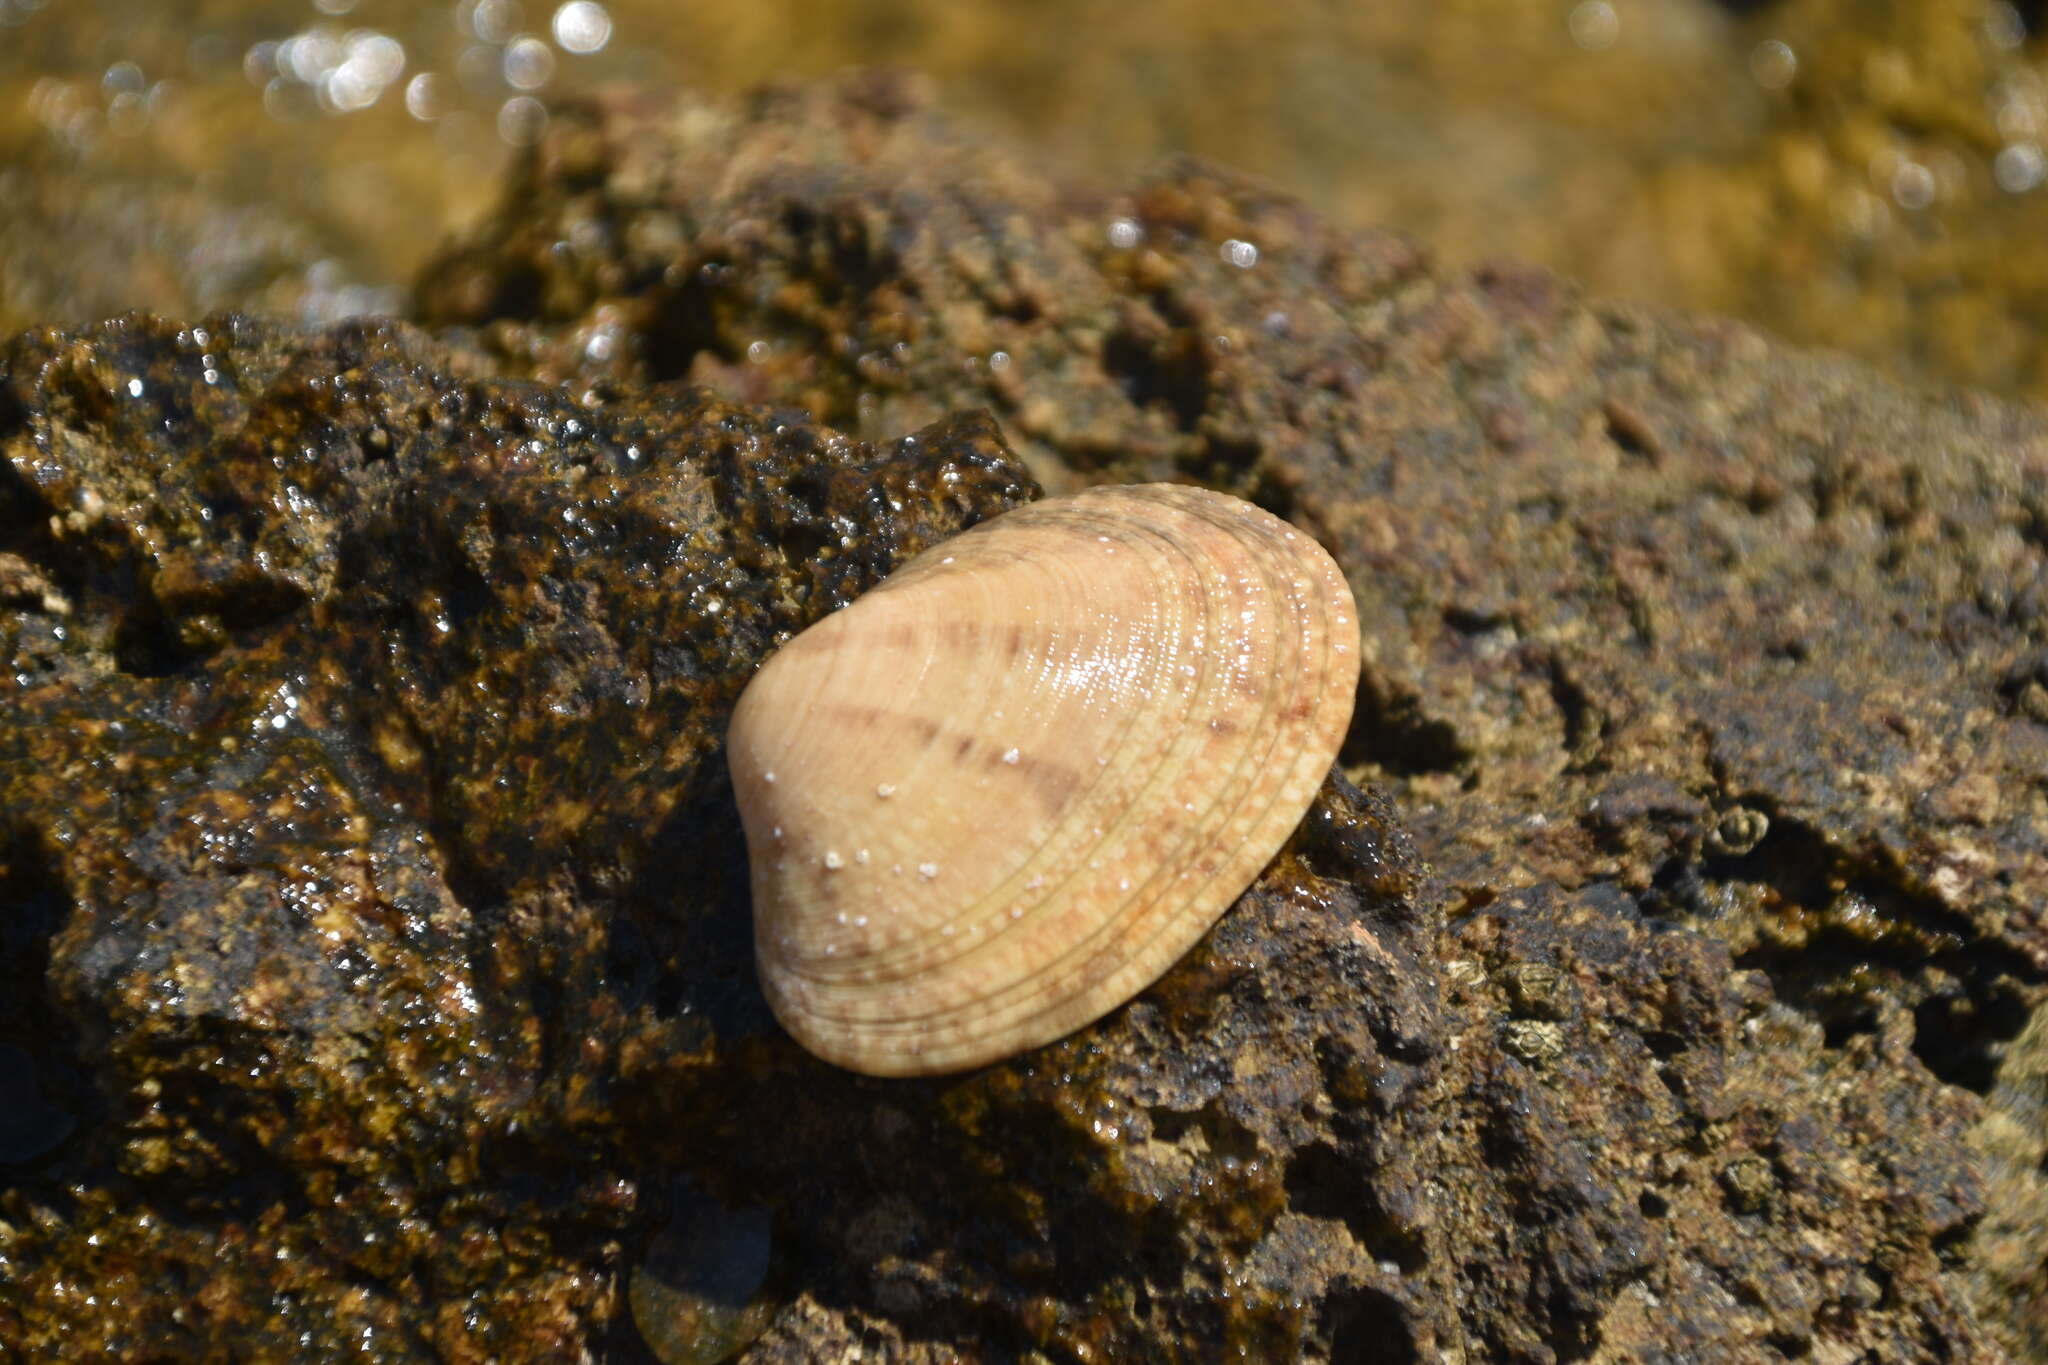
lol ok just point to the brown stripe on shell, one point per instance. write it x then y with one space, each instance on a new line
1178 664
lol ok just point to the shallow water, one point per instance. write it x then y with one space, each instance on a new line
1851 172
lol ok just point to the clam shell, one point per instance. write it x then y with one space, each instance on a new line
1004 791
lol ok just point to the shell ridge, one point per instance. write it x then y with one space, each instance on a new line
1180 877
983 942
1305 775
968 913
1197 684
1153 900
1030 993
829 968
882 964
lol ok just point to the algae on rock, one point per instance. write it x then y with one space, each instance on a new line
385 919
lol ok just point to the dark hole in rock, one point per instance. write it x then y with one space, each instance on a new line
1841 1023
1854 938
518 295
1391 733
1581 720
803 544
683 323
1680 891
1477 618
29 1127
1320 1184
1789 1345
44 1092
1018 306
1950 1034
1953 1245
1368 1326
147 646
1169 371
1664 1044
18 523
685 934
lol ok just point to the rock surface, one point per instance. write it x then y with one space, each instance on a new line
349 702
376 916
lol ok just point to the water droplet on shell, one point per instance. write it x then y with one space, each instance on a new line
1208 671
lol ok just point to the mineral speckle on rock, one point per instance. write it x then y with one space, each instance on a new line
2010 1277
350 703
376 914
1751 633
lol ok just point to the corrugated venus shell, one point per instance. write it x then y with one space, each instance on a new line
1004 791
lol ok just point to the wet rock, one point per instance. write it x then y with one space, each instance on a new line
367 784
1647 601
1317 1139
703 1290
1738 638
2011 1275
354 700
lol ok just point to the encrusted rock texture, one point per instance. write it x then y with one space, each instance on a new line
1661 979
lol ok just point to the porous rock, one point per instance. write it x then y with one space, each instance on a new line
348 699
1651 604
1642 1014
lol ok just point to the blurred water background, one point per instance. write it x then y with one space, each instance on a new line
1864 174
